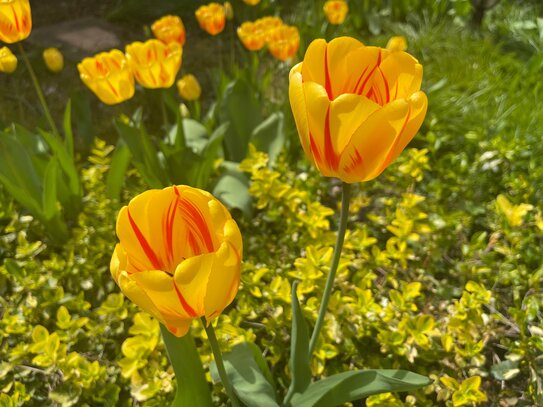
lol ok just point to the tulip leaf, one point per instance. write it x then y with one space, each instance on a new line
250 384
68 132
299 363
232 188
192 387
269 136
49 200
349 386
117 170
240 108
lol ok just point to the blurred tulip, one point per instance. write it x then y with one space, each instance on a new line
8 61
169 29
189 88
228 10
283 42
398 43
356 108
179 255
335 11
154 64
211 18
251 2
252 35
53 59
108 76
268 24
15 20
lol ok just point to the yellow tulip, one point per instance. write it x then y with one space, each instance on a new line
283 42
179 255
211 18
268 24
15 20
252 35
335 11
154 64
53 59
169 29
108 76
8 61
398 43
251 2
189 88
228 10
356 107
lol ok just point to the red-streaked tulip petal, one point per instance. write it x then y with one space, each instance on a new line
313 67
337 70
403 74
299 109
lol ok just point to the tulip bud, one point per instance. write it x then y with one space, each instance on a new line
15 20
189 88
179 255
398 43
335 11
8 61
228 10
356 108
184 111
53 59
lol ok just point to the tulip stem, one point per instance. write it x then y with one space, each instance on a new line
37 86
220 363
345 200
165 121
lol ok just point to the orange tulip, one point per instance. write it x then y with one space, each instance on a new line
211 18
179 255
252 35
283 42
108 76
335 11
155 64
356 108
169 29
268 24
15 20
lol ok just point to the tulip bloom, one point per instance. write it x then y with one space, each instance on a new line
169 29
108 76
335 11
211 18
252 35
53 59
251 2
356 107
397 44
15 20
155 64
189 88
8 61
283 42
179 255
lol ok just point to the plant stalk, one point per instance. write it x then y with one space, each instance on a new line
220 363
37 86
345 200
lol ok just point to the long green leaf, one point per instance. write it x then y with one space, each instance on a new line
299 363
117 170
249 383
269 136
349 386
68 131
49 200
232 188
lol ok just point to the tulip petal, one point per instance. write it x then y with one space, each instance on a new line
299 110
347 113
313 65
337 68
191 279
223 281
403 74
362 65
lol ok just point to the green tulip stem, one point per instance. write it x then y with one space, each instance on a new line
165 121
345 200
192 387
37 86
220 363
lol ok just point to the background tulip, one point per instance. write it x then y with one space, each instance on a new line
8 61
336 11
211 18
179 255
356 107
169 29
154 64
252 35
189 88
15 20
283 42
53 59
251 2
108 76
228 10
397 43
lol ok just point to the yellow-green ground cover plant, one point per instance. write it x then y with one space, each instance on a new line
441 267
